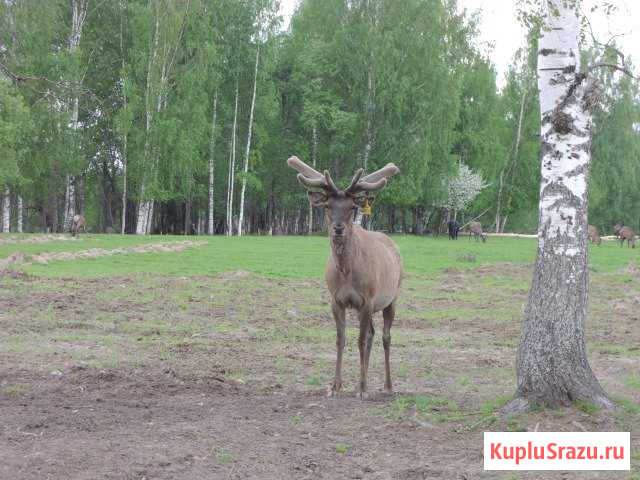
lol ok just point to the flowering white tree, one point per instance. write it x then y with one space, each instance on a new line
463 188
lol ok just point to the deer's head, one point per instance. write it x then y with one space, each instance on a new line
339 204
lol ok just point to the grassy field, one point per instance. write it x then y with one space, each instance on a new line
282 257
211 359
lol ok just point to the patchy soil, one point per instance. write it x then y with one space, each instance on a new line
46 257
148 377
42 238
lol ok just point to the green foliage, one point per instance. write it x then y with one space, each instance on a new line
375 82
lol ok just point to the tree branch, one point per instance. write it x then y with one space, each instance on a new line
613 66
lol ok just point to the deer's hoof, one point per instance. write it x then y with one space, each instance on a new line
334 391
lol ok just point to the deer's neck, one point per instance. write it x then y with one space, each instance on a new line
343 251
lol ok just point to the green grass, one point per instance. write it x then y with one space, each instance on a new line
342 448
285 256
587 407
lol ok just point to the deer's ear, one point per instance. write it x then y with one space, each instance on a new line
317 199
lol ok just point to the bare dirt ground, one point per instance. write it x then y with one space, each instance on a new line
149 377
46 257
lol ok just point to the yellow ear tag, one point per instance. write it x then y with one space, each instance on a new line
366 208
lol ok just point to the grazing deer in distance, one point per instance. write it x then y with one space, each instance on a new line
625 233
77 224
594 235
475 228
453 227
364 269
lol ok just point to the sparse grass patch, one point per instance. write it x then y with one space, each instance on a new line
587 407
633 381
516 424
627 411
224 458
13 389
342 448
434 408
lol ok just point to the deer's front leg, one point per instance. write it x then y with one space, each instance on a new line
339 316
364 345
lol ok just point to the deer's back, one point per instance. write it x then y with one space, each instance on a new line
626 233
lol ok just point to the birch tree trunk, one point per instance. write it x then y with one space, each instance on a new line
69 203
6 211
156 92
124 187
232 166
124 139
79 13
212 144
369 134
248 150
552 364
144 205
19 214
511 168
314 150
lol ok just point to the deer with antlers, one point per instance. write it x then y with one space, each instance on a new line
364 268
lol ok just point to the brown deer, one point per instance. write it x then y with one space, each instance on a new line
77 224
364 269
594 235
625 233
475 228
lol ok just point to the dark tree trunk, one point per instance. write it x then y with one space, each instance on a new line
187 217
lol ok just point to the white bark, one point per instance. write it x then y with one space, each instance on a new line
368 131
124 139
212 143
552 363
314 150
79 13
69 203
19 214
511 167
6 211
232 167
565 156
248 150
144 204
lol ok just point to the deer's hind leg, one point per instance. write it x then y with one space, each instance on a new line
339 316
388 314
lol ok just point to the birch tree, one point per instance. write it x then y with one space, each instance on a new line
248 149
212 144
232 167
552 365
168 30
124 159
79 13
